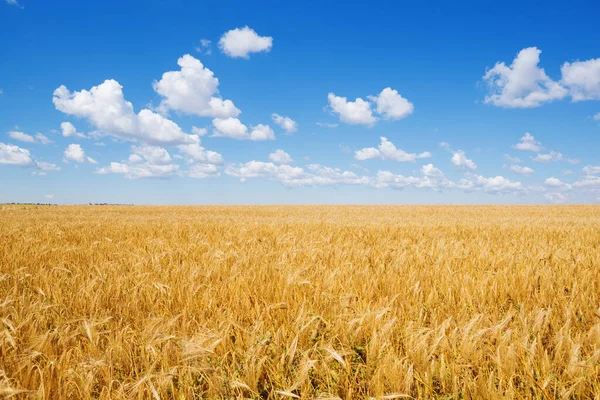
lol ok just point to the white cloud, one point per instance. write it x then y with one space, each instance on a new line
528 143
144 162
199 131
14 3
74 152
285 122
200 171
556 183
205 46
197 153
328 125
295 176
367 154
14 155
518 169
43 139
557 198
192 90
590 182
392 105
357 112
138 171
522 84
46 166
49 196
461 162
494 185
573 161
547 157
591 170
387 151
233 128
508 157
583 79
153 154
567 172
22 137
432 179
596 117
68 130
106 108
240 42
280 157
389 104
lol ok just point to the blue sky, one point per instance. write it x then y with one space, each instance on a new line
184 102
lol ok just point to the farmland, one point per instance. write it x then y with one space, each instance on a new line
300 302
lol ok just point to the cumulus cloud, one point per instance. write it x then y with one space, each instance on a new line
144 162
280 157
591 170
528 143
75 152
23 137
547 157
391 105
461 162
193 90
68 130
432 179
328 125
317 175
233 128
589 182
196 153
204 47
46 166
583 79
512 159
387 151
13 3
596 117
492 185
288 124
357 112
14 155
556 183
556 198
241 42
200 171
522 84
518 169
199 131
106 108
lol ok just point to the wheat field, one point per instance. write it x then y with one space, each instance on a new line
351 302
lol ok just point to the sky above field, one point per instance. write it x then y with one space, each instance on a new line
187 102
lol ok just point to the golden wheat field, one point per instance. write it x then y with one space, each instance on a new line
351 302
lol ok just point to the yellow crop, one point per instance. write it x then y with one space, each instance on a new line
347 302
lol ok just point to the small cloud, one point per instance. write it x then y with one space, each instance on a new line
204 47
14 3
49 196
528 143
288 124
240 42
327 125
